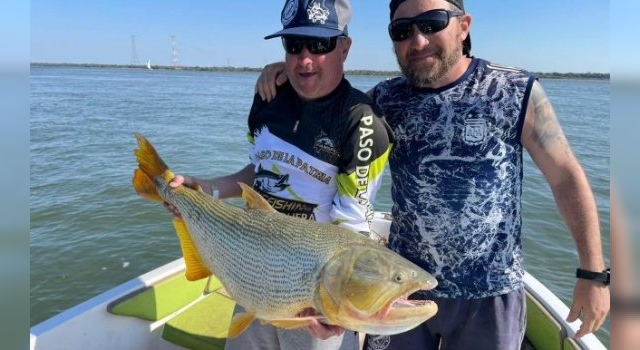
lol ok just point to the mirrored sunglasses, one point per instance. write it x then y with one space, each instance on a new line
316 45
427 23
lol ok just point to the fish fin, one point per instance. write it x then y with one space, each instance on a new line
195 268
223 291
150 164
254 199
144 186
239 323
292 323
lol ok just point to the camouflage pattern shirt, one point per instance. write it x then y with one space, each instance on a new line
456 170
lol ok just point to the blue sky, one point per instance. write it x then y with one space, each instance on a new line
541 35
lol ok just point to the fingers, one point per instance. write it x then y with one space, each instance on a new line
591 301
177 181
265 88
281 79
173 210
323 331
270 78
574 313
317 329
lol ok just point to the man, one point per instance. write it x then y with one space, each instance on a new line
318 150
460 124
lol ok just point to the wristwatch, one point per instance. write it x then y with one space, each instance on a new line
594 276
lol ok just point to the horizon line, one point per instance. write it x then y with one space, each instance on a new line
143 65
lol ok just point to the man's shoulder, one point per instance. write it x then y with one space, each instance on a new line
502 68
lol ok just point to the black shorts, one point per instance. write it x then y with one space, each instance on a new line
494 323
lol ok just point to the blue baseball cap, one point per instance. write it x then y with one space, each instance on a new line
316 18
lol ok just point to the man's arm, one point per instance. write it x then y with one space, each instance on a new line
226 186
545 141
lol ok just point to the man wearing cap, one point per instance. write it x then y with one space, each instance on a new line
460 125
306 147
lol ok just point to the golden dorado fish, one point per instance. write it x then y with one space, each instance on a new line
276 266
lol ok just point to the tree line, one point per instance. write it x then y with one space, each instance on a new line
542 75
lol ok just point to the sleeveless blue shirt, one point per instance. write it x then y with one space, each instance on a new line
456 168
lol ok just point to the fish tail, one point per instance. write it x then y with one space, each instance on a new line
150 165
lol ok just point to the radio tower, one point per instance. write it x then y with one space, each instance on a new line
174 52
134 53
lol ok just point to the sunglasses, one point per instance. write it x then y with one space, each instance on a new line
427 22
316 45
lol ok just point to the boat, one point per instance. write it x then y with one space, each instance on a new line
162 310
149 65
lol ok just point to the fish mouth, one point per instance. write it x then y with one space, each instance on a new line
403 306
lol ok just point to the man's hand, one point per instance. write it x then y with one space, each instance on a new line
591 299
187 181
272 76
320 330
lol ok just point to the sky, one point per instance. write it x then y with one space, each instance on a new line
540 36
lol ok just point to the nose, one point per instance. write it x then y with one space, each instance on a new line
305 57
418 37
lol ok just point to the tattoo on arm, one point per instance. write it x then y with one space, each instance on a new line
546 129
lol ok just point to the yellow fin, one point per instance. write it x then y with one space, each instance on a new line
292 323
223 291
144 186
151 165
220 290
196 269
254 199
239 323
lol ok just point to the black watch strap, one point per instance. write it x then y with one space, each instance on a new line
594 276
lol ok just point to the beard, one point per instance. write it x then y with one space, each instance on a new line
421 76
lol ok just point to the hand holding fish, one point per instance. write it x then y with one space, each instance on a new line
178 180
318 329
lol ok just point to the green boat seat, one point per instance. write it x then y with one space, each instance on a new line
203 321
543 332
203 325
159 300
571 344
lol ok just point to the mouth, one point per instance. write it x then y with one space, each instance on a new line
405 306
422 55
306 74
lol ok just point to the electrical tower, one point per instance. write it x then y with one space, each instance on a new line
134 53
174 52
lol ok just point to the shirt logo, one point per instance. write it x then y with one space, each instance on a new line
317 13
378 342
325 149
475 131
270 182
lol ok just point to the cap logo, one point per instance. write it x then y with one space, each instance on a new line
317 13
289 11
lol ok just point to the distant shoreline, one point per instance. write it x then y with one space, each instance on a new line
542 75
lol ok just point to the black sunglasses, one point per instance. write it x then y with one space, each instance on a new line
427 22
316 45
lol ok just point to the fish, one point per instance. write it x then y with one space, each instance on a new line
277 266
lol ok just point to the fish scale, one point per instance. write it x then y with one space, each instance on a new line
251 265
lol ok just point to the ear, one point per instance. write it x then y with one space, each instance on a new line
465 25
345 45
